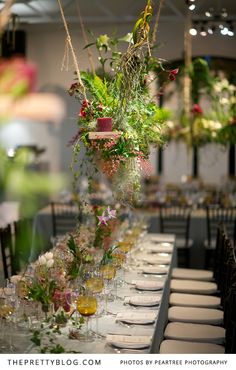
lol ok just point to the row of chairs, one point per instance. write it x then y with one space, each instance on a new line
202 305
177 219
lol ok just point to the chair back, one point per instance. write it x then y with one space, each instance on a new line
64 217
216 214
230 314
23 239
7 251
176 220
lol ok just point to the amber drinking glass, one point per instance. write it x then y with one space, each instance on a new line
87 306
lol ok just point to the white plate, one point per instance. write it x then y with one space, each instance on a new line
143 303
137 322
155 270
130 345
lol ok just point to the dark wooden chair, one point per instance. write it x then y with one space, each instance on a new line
176 220
7 251
214 215
64 217
23 237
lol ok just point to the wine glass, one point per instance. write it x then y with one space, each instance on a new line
95 284
108 272
7 308
87 306
119 258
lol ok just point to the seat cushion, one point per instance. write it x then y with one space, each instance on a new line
196 315
192 286
192 274
195 332
177 346
181 243
194 300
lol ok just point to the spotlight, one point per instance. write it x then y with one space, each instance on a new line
221 26
224 31
231 30
192 7
203 32
230 33
190 4
193 31
211 30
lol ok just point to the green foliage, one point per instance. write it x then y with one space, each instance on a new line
42 292
201 78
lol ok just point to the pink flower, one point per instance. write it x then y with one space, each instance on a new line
102 219
196 109
173 73
111 212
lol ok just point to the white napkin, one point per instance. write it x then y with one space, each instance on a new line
148 285
158 259
160 247
159 238
141 318
129 341
159 270
143 300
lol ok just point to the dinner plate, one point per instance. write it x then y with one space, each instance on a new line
149 285
161 270
130 345
143 303
137 322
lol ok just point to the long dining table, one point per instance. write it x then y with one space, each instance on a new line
138 313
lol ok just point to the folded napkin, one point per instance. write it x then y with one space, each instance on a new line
129 341
152 270
160 247
159 238
158 259
143 300
148 285
139 318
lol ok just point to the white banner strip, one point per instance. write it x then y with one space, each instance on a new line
117 361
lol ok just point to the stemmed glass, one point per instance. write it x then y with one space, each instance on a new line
108 272
8 302
87 306
95 284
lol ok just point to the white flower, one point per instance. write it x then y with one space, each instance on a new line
48 255
50 263
42 260
224 101
15 278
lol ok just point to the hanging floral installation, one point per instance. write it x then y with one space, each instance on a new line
215 123
119 119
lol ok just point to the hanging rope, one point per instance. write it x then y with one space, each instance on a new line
72 50
90 55
5 14
154 34
187 62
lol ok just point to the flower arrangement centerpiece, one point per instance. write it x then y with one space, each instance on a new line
44 282
118 119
